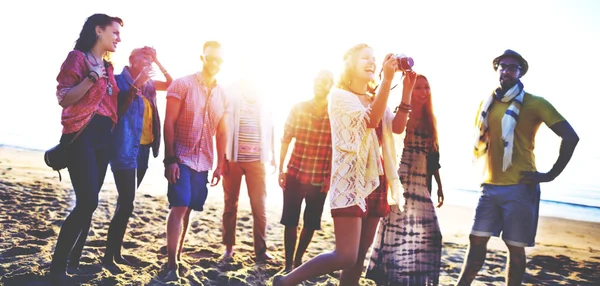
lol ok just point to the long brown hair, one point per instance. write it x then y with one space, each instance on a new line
350 58
88 38
430 118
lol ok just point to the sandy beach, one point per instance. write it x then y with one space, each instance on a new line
34 204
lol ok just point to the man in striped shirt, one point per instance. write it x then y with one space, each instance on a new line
309 168
249 147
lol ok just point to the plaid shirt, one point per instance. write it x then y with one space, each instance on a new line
193 128
311 158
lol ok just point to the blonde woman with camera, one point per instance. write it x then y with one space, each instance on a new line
363 164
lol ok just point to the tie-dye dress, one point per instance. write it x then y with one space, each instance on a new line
408 245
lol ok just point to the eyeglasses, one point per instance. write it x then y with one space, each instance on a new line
511 67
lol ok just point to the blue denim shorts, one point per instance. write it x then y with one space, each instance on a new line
512 210
190 190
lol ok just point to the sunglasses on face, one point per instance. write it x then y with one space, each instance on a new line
510 67
210 59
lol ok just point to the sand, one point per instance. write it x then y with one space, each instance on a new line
34 204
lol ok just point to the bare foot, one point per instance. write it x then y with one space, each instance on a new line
228 254
263 257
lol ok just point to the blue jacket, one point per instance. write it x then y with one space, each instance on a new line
128 131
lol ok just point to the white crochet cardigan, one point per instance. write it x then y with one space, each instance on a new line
355 160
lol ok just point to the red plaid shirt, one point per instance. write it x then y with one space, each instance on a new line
193 128
311 158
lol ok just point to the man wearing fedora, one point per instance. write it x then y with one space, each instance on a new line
506 125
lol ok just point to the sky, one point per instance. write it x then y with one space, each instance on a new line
285 43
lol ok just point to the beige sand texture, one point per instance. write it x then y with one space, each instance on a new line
34 204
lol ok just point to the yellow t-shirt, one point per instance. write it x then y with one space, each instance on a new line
534 111
147 135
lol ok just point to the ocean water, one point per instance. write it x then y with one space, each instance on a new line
564 198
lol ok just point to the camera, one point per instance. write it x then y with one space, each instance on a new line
405 63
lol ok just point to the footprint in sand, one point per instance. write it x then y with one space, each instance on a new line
204 253
131 244
20 250
212 274
163 250
240 279
206 263
33 242
42 234
96 243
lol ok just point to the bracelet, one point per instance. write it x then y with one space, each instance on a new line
170 160
94 79
97 75
402 108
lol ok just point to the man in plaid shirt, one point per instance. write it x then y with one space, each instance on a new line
308 170
196 109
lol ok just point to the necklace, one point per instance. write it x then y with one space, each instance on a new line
88 54
356 93
109 85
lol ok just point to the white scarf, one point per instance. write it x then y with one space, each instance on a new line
509 121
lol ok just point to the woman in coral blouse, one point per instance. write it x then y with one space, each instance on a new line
87 91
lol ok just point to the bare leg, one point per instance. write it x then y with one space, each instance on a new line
475 259
350 276
347 238
186 224
516 265
289 241
174 234
305 239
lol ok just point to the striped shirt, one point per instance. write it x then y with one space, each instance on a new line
196 123
310 162
249 132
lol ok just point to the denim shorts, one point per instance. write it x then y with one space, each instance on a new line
190 190
512 210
